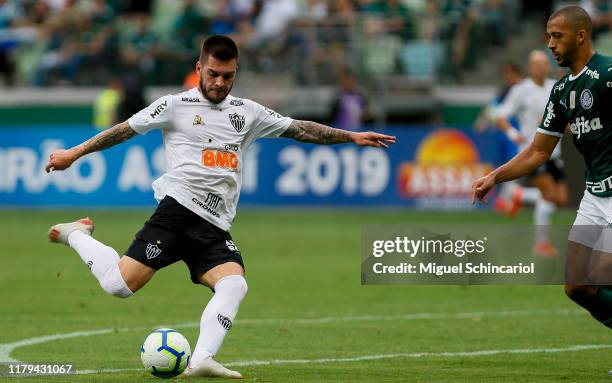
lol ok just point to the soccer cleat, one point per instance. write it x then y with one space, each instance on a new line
209 368
544 249
501 205
60 232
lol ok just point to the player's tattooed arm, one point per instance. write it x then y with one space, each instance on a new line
106 139
62 159
308 131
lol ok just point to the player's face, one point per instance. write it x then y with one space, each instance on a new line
216 78
563 41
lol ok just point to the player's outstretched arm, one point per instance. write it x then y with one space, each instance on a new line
524 163
308 131
62 159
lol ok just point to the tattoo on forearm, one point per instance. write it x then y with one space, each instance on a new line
108 138
308 131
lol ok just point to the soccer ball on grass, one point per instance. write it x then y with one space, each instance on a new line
165 353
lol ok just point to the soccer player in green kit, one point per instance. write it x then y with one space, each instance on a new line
581 100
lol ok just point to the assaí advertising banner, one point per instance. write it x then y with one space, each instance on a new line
430 168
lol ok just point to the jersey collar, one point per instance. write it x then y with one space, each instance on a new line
220 106
586 67
572 78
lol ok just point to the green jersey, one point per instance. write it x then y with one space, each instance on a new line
584 102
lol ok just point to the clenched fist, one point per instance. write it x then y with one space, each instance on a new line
60 160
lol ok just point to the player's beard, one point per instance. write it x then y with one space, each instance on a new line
567 58
563 61
216 100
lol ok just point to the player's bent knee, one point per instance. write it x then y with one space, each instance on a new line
113 283
235 285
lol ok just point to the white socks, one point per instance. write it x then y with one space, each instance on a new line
102 261
531 195
543 211
218 316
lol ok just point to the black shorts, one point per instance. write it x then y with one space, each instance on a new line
175 233
554 167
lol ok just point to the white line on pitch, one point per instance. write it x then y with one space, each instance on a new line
7 348
250 363
407 317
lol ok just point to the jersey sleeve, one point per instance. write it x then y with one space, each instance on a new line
155 116
510 105
608 78
268 123
554 120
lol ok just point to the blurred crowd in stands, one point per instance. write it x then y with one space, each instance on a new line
92 42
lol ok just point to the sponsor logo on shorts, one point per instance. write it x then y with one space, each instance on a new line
231 246
224 321
205 207
152 250
89 264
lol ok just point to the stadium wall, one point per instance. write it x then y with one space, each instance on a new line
428 168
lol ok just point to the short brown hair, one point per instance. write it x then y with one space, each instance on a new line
575 16
220 47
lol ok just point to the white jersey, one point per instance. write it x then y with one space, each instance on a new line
204 145
527 100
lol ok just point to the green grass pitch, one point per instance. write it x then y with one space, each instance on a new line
305 304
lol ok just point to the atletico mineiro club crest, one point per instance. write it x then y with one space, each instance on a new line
153 250
237 121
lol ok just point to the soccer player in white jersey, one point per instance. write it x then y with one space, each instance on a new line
206 132
527 101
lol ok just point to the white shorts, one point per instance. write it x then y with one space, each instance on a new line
593 224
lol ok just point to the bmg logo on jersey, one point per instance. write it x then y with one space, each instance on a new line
220 159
